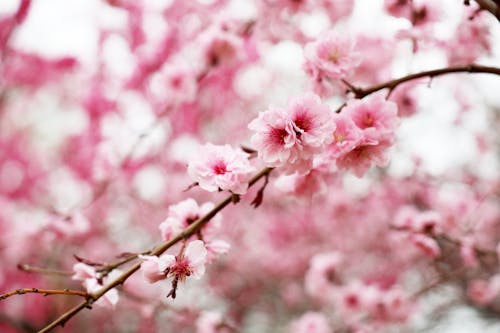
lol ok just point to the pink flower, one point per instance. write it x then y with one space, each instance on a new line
209 322
468 252
290 138
221 48
398 8
183 214
83 272
154 268
322 274
405 98
190 262
307 185
373 113
422 222
345 138
361 158
472 39
216 248
221 167
426 244
377 119
332 56
483 292
311 322
111 297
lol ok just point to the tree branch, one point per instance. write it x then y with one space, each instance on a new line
45 292
491 6
473 68
185 234
33 269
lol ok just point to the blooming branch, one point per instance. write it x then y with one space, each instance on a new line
233 198
185 234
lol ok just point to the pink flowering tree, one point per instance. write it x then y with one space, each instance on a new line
248 166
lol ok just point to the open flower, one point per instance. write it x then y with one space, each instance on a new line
221 167
332 56
190 262
291 137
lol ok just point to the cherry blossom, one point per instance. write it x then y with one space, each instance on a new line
190 262
221 167
311 322
331 56
291 137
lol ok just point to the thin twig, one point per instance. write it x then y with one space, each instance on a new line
491 6
45 292
362 92
40 270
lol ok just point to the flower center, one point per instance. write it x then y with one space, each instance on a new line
181 268
339 137
219 168
277 135
334 55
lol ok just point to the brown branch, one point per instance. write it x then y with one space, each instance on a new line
491 6
33 269
362 92
185 234
45 292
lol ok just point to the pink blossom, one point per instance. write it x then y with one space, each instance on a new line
406 99
290 138
209 322
191 263
332 56
323 273
472 39
345 138
221 48
423 222
184 213
373 113
377 119
180 83
216 248
307 186
83 272
154 268
398 8
311 322
111 297
337 10
427 244
221 167
468 252
484 292
369 152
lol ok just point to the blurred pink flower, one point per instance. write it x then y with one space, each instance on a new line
311 322
332 56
